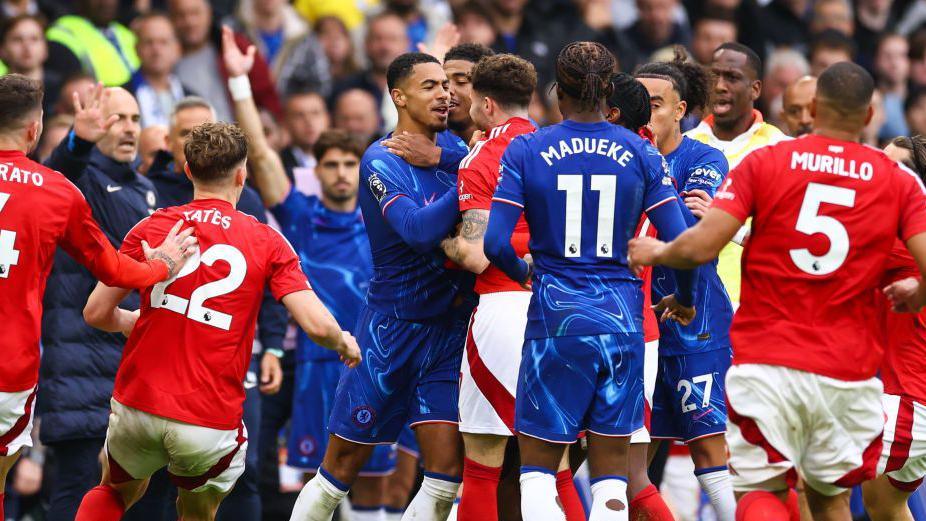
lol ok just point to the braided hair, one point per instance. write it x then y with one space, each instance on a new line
632 99
583 72
689 80
917 147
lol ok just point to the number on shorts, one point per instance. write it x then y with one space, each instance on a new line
9 255
194 308
707 380
606 186
810 222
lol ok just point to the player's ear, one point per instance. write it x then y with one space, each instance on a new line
680 110
398 97
813 108
241 176
186 170
870 114
613 115
756 89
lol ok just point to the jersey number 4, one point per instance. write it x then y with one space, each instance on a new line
9 255
810 222
606 186
194 308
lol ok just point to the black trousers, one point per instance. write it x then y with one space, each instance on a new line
75 467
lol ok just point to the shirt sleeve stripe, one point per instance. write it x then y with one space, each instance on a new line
660 203
390 202
507 201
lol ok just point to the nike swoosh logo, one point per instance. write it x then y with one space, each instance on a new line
111 188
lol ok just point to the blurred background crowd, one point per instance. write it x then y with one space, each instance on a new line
322 64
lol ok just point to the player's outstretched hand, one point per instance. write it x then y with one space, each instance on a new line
271 374
237 63
698 201
177 247
904 295
349 350
89 121
529 259
415 149
445 38
643 251
129 319
669 309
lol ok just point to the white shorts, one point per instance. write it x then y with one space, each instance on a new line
138 444
491 359
903 457
782 419
17 411
650 370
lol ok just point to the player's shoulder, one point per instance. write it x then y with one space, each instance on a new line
375 151
447 139
700 154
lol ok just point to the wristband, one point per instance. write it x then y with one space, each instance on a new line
741 235
239 87
275 351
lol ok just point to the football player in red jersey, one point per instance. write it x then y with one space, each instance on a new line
806 346
179 390
39 211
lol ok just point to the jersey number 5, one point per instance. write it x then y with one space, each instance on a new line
810 222
194 308
606 186
9 255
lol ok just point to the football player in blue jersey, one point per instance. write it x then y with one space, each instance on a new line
412 326
582 185
689 402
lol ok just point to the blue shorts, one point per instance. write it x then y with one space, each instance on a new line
409 375
689 401
313 397
574 383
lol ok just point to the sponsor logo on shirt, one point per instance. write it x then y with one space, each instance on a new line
113 188
463 195
705 176
377 188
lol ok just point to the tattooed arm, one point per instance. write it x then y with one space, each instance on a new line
465 248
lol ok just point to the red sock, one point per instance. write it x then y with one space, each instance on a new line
793 505
102 503
648 505
569 497
761 506
480 492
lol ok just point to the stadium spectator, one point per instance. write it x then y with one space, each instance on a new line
709 31
915 112
80 362
55 130
795 106
297 60
80 83
101 45
532 35
872 19
23 50
832 15
892 70
422 24
350 13
870 133
385 40
918 58
306 118
785 23
475 23
338 46
273 131
656 27
201 69
827 48
155 85
355 111
152 140
784 67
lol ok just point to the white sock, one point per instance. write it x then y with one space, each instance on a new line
609 499
538 495
715 482
319 498
453 510
434 499
393 515
367 513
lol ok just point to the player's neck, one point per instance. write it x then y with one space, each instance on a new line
738 128
466 134
831 132
11 143
586 117
407 124
502 117
671 142
230 195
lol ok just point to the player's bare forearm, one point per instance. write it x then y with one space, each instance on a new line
466 248
700 243
314 318
916 245
102 309
269 174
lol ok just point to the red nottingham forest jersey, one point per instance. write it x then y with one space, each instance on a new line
477 178
40 210
905 335
188 354
826 214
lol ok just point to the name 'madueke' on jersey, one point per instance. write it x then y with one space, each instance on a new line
561 174
825 214
696 166
189 352
40 210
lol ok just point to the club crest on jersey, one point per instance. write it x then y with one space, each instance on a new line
307 445
377 188
363 416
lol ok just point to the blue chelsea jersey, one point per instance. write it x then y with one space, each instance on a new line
408 284
696 166
335 254
583 187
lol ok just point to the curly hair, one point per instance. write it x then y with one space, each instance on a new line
632 99
508 79
583 72
213 150
689 80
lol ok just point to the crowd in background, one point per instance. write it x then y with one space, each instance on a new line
322 64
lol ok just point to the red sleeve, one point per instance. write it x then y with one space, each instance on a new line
131 245
285 275
736 194
84 241
477 180
912 205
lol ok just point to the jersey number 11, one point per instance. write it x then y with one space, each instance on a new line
606 186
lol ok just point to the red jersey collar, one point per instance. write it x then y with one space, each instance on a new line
756 118
12 154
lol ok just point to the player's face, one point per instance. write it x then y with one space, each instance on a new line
121 141
306 118
795 110
478 111
338 173
24 46
461 87
184 123
425 95
734 88
667 109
